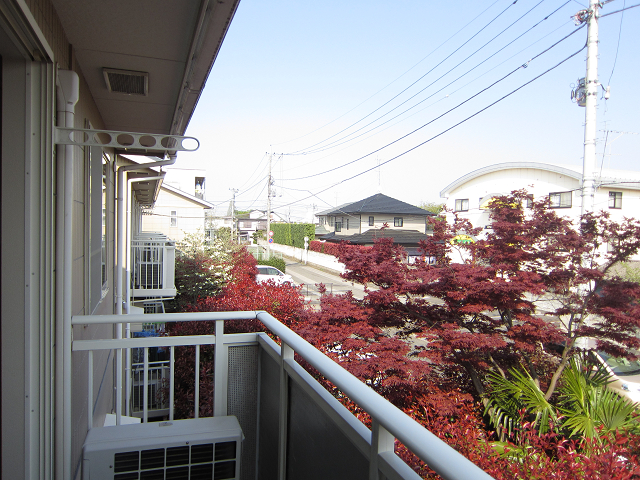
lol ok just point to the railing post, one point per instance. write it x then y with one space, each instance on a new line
145 385
196 394
220 372
381 441
119 386
286 353
171 382
90 391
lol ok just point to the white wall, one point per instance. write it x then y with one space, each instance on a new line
190 216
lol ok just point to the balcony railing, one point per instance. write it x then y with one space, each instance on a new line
157 378
293 427
152 266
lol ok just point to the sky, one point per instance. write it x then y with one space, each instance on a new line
353 98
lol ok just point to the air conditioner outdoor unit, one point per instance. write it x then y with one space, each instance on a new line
183 449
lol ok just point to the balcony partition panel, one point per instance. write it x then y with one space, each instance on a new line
293 427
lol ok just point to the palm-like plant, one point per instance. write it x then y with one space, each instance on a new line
510 398
587 408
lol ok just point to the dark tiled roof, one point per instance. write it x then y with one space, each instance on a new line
400 237
378 203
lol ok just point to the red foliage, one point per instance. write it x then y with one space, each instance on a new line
331 248
241 294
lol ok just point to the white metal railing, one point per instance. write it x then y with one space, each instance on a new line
388 422
158 378
152 266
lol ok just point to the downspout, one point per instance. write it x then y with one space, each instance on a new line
127 301
67 94
120 265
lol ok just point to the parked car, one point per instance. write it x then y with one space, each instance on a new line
625 376
266 273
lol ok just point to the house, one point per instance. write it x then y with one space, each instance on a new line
617 192
190 180
87 85
176 213
254 221
372 213
360 223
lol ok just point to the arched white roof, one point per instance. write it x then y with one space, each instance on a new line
444 193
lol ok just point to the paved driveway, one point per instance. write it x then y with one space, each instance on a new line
309 276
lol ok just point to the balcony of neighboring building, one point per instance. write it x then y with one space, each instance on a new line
152 266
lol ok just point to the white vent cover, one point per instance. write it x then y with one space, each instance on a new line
126 81
183 449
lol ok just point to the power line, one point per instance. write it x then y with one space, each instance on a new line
303 165
450 128
397 78
621 10
615 60
326 147
407 88
525 65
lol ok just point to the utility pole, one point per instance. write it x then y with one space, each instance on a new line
269 238
591 105
233 214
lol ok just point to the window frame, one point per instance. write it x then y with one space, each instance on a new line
338 226
560 203
398 221
615 200
461 205
371 221
173 218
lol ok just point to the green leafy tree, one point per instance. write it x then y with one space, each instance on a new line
432 207
202 269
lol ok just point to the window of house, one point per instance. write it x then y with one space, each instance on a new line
615 199
462 205
560 199
529 201
371 222
347 224
338 226
174 218
397 221
331 221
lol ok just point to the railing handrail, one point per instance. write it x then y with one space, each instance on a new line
442 458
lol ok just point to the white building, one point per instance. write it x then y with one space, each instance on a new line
617 191
175 213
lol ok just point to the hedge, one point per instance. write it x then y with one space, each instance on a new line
292 233
331 248
279 263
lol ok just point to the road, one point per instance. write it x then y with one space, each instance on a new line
310 276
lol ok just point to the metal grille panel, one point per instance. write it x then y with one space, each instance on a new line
242 398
